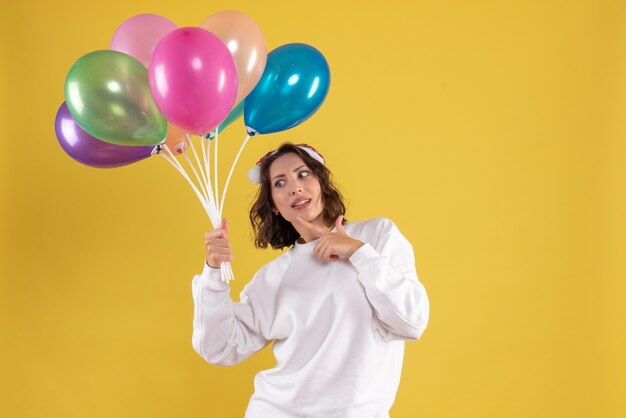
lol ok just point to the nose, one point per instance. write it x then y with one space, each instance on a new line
296 189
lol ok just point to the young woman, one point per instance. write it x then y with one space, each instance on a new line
338 305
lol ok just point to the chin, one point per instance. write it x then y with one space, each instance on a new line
308 216
319 215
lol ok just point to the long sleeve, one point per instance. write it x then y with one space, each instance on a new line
387 272
224 332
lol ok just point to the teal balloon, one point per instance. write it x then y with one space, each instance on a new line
232 116
108 95
293 86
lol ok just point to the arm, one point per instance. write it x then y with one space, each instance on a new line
224 332
387 272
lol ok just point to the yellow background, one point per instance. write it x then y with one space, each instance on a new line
492 132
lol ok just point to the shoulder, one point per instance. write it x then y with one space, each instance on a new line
270 275
376 231
384 236
371 227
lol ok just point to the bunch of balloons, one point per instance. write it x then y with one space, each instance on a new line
159 83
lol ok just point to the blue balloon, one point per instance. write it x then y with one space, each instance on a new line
293 86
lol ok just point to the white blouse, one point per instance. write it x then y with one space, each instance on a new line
338 327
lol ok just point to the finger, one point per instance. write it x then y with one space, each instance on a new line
325 251
316 250
216 233
219 250
339 225
324 254
319 249
312 228
221 243
219 258
216 238
225 225
328 254
218 242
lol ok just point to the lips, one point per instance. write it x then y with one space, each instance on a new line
303 201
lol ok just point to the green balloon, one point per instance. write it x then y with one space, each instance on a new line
108 95
232 116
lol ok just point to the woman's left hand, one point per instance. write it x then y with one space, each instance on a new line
332 245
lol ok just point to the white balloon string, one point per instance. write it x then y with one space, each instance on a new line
173 159
193 169
228 270
224 264
206 152
195 154
204 160
217 195
174 162
232 168
179 168
207 192
209 209
206 178
207 170
231 275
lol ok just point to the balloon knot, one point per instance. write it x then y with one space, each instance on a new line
251 131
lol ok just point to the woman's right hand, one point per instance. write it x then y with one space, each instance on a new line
218 246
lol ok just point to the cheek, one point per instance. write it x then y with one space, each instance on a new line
318 193
314 186
277 198
318 189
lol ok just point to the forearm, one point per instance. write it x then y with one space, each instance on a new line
221 334
395 293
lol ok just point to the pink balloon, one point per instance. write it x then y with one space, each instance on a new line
193 79
139 35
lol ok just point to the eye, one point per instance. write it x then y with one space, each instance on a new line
279 183
303 174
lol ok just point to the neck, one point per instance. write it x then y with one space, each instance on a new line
306 235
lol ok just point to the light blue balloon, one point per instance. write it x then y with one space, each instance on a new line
293 86
232 116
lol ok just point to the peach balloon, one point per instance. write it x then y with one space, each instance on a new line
176 139
246 43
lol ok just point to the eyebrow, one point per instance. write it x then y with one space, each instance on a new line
282 175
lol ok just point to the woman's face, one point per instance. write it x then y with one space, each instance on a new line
295 189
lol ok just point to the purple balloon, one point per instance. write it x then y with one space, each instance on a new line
90 151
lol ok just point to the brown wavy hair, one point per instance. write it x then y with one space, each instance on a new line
274 230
